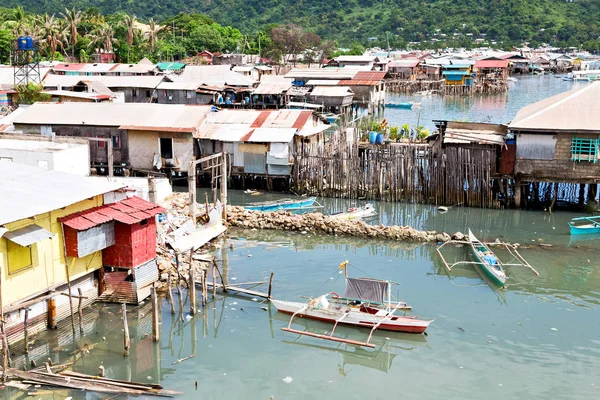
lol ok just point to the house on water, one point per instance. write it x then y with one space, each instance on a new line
144 137
45 243
558 140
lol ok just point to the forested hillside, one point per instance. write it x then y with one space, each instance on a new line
560 22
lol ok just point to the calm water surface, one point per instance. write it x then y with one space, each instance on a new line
536 339
493 108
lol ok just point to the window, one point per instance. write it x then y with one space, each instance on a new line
134 92
19 257
585 149
166 148
116 142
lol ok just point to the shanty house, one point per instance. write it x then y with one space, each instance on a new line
404 69
336 99
34 266
143 136
261 142
558 138
491 71
458 74
363 63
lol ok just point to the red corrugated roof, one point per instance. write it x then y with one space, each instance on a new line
128 211
302 119
491 64
369 76
68 67
354 82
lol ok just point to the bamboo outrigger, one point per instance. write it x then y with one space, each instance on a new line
518 259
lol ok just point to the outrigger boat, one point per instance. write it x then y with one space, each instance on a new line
488 261
355 213
366 303
490 264
284 204
589 225
405 105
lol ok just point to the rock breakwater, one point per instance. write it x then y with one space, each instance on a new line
324 224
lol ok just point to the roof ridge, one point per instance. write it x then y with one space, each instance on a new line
576 92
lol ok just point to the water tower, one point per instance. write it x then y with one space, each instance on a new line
25 61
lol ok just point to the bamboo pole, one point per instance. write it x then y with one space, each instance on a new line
224 185
126 340
192 288
155 312
270 285
80 310
170 294
25 332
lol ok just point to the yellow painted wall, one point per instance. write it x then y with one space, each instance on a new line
47 257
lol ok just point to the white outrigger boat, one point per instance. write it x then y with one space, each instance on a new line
355 213
366 303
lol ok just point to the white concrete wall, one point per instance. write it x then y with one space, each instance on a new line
56 156
144 144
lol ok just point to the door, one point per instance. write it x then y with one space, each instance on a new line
166 148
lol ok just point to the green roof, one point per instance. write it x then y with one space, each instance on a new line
170 66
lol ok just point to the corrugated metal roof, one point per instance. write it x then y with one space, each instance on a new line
355 58
323 82
180 85
455 73
140 116
572 111
170 66
369 75
142 82
69 67
270 135
79 95
214 75
128 211
272 87
491 64
322 73
29 191
404 63
331 91
29 235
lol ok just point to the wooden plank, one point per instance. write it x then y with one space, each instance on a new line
327 337
238 289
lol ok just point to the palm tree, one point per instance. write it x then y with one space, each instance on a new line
73 18
20 21
152 33
52 33
129 23
103 37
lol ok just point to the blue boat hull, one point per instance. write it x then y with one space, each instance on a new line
585 229
406 106
291 205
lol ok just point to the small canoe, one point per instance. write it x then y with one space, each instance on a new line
487 259
405 105
284 204
585 225
355 213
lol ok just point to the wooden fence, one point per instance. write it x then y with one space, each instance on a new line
414 173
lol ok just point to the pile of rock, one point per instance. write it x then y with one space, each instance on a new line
319 223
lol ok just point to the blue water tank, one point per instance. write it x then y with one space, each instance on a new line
25 43
372 137
379 139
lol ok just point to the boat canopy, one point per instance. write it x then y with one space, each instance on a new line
366 289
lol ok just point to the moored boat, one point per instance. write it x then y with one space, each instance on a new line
406 105
366 303
283 204
585 225
355 213
489 262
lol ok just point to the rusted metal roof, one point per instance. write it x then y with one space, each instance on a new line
491 64
369 76
69 67
128 211
272 87
404 63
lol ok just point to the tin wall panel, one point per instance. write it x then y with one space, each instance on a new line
254 163
95 239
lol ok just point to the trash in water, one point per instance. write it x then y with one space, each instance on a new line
288 379
188 317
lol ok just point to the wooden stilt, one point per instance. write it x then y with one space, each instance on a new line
192 289
214 280
155 312
179 294
25 332
170 294
80 310
126 340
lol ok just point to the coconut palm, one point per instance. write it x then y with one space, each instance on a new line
52 33
103 37
19 21
72 18
129 23
152 33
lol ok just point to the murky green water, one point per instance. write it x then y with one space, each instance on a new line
539 338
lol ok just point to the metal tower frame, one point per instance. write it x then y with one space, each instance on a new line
26 65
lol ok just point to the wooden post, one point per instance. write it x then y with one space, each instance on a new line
204 287
179 287
101 281
192 289
224 184
62 227
51 313
126 340
170 294
80 310
151 189
270 285
155 311
518 193
214 281
25 333
192 189
111 168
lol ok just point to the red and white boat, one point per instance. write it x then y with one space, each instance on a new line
366 303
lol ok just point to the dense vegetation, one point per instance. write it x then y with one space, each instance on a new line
175 29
